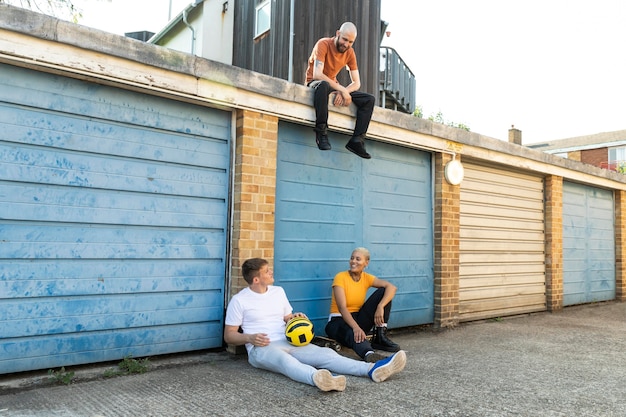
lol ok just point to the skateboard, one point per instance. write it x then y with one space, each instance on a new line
324 341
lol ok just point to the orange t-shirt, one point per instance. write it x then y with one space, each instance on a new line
334 61
355 291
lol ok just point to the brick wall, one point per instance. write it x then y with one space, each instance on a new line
446 263
554 242
574 156
254 191
595 157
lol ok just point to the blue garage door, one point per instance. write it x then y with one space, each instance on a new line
328 203
113 209
588 244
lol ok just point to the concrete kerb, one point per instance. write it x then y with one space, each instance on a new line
89 372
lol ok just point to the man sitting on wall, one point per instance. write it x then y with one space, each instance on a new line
329 56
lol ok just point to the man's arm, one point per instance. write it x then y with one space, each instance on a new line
233 337
343 98
356 81
318 74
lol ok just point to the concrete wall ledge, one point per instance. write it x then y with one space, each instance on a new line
34 40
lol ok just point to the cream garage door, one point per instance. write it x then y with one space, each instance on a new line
502 262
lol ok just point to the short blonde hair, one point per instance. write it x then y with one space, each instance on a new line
364 251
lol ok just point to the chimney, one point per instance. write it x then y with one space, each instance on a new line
515 135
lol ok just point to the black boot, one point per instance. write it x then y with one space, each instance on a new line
357 146
321 137
382 342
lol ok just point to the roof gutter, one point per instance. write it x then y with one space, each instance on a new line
582 147
180 18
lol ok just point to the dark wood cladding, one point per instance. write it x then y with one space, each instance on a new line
313 19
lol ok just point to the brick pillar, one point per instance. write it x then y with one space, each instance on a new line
254 192
554 242
620 250
447 216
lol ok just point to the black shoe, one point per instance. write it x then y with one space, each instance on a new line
321 137
322 142
382 342
356 146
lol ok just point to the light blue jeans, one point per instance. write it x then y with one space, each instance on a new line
301 362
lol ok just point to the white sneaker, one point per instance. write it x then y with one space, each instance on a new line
391 365
325 381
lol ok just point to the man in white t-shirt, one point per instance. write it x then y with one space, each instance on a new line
262 310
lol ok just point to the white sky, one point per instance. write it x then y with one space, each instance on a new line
553 68
121 16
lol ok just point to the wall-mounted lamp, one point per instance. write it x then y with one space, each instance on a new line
454 171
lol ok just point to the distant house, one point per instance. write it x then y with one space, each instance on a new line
605 150
276 37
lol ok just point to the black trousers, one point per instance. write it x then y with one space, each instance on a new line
364 103
339 330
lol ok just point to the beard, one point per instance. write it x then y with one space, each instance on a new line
340 48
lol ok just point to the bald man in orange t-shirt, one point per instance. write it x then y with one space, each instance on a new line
329 56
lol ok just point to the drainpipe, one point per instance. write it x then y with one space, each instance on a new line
291 35
193 31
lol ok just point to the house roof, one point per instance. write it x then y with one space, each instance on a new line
579 143
175 21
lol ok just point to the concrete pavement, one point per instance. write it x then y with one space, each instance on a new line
570 363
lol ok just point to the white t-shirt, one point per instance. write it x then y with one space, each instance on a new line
259 313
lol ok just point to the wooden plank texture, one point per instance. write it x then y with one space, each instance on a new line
113 214
329 203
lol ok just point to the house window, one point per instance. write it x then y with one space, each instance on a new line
617 158
617 154
262 17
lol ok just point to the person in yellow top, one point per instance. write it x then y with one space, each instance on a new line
352 317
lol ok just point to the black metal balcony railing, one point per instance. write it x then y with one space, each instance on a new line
397 82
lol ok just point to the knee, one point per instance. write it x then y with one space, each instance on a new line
330 329
379 292
322 88
377 295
